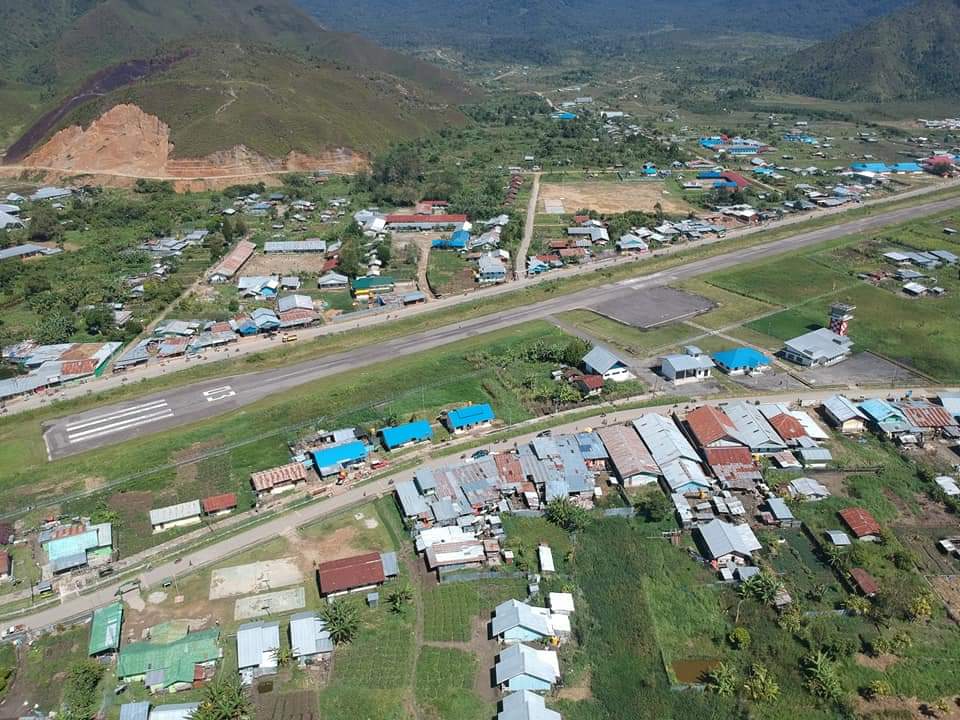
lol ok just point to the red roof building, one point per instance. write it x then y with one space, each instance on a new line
711 427
927 415
787 427
861 523
352 573
734 177
508 469
219 503
864 582
734 467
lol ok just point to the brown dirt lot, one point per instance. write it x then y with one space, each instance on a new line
284 264
613 197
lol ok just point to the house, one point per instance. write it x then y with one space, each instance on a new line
630 458
524 705
520 667
724 543
734 467
632 243
948 485
466 418
279 479
173 516
356 573
819 348
710 427
456 555
172 666
861 523
515 621
815 457
886 418
588 385
690 366
781 514
679 463
416 222
135 711
864 582
265 319
333 281
257 646
753 429
741 361
105 630
367 287
490 269
75 545
808 489
406 434
929 418
309 638
294 302
231 264
218 505
331 460
842 414
295 246
600 361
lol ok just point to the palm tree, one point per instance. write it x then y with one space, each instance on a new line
399 597
223 699
342 619
835 557
283 656
760 685
822 676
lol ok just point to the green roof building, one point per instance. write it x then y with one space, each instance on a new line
105 629
170 665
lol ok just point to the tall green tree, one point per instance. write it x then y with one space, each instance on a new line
80 697
224 699
343 620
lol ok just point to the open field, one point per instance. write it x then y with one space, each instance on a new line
611 197
444 685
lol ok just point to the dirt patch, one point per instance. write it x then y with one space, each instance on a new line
296 705
195 451
155 598
283 264
333 546
885 707
136 501
879 663
91 483
254 577
580 690
948 588
611 197
127 143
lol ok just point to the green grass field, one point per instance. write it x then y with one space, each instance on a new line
452 608
444 685
640 343
446 272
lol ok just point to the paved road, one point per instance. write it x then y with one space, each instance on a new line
113 424
76 606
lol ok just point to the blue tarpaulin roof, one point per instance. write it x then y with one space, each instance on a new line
740 358
410 432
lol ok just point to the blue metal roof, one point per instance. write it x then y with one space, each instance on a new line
470 415
416 431
737 358
339 454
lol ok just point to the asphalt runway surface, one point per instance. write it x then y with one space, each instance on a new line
112 424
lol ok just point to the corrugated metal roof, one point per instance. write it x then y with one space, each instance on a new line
267 479
256 642
309 635
721 538
513 613
105 629
664 439
172 513
350 573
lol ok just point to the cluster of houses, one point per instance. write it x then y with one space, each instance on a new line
910 421
48 366
913 267
483 248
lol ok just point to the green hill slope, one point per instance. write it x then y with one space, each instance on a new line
261 73
910 54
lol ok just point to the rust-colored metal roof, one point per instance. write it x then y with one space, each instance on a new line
927 415
268 479
78 367
709 424
349 573
235 259
860 522
787 426
864 581
217 503
508 468
734 467
80 351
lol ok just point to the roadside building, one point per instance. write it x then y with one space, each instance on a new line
861 523
173 516
686 367
680 467
710 427
520 667
335 458
218 505
490 269
753 429
74 545
279 479
466 418
887 419
600 361
105 630
406 434
844 415
333 281
367 287
524 705
632 462
295 246
257 646
359 573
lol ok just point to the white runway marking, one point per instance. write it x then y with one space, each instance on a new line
95 427
219 393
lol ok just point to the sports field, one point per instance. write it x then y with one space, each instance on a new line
612 197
